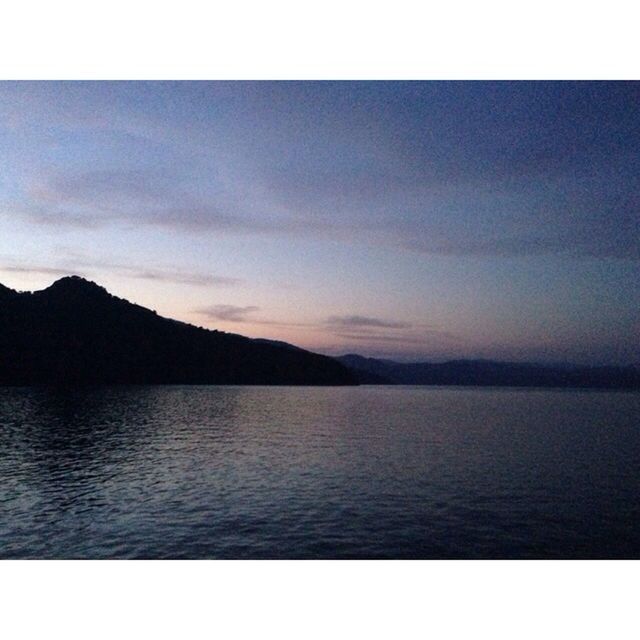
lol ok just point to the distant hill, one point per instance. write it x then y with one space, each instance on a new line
76 332
490 373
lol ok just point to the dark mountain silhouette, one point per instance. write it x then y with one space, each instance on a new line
277 343
76 332
490 373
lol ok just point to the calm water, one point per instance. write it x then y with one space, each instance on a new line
368 472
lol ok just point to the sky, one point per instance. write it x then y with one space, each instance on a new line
404 220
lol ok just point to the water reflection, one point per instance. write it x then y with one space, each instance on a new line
318 472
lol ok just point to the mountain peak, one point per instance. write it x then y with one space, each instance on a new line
76 332
76 284
5 290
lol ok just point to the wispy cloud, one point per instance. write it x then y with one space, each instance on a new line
372 333
158 198
57 218
228 312
373 338
39 270
416 336
83 267
196 279
476 169
406 218
365 321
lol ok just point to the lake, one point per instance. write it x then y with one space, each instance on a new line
310 472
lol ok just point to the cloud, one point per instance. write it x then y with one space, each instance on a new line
154 198
459 220
372 338
58 218
475 169
500 246
53 271
83 267
197 279
349 326
234 313
364 321
369 333
417 335
228 312
110 185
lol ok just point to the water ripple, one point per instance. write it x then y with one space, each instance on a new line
368 472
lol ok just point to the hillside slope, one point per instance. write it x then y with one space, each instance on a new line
490 373
76 332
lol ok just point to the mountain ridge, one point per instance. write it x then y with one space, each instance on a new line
476 372
76 332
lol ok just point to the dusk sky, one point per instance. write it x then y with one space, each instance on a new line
415 221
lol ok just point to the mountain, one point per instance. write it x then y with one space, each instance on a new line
76 332
490 373
277 343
